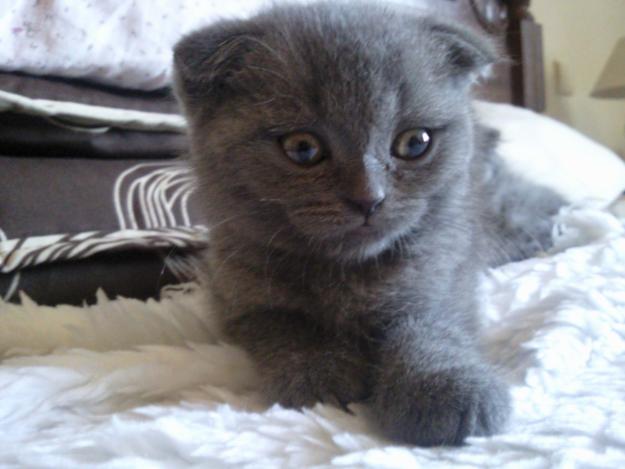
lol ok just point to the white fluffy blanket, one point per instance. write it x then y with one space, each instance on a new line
132 384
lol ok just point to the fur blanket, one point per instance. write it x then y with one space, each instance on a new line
125 383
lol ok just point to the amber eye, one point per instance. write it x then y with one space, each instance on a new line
412 144
302 148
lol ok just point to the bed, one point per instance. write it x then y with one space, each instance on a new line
107 367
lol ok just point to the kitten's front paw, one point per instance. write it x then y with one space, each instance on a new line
442 408
302 380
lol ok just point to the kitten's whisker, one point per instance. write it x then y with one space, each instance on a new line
267 47
270 72
272 199
225 261
265 102
226 220
269 252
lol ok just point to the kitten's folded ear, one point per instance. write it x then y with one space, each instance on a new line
206 63
465 55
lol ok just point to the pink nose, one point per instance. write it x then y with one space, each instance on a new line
367 205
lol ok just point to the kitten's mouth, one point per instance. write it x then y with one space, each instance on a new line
364 232
366 229
360 242
355 234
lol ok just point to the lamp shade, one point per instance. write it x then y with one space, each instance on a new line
611 83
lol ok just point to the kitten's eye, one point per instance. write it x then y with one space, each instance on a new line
303 148
412 144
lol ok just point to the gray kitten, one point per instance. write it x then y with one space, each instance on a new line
354 203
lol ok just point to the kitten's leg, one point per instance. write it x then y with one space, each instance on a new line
299 363
432 388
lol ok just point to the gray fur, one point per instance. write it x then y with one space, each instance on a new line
329 310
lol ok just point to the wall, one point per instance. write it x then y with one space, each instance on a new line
580 34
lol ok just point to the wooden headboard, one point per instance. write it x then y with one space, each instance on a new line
519 78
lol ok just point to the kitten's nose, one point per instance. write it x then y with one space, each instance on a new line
368 204
364 189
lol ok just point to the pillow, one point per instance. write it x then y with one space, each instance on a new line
123 43
550 153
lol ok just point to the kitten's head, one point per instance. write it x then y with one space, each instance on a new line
329 127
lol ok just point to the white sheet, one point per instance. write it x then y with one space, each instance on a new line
132 384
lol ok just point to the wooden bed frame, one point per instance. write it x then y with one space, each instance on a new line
519 78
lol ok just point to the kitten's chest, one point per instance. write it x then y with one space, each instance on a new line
365 297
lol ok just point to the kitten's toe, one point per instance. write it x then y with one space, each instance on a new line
305 388
293 392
